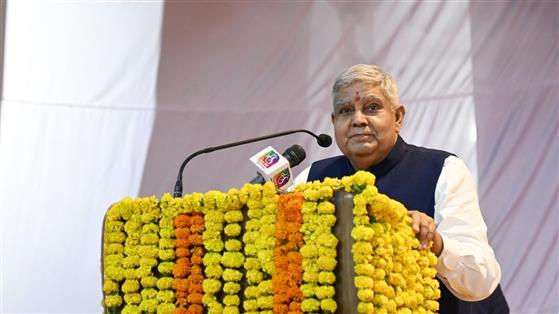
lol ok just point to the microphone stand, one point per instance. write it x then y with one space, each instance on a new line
178 185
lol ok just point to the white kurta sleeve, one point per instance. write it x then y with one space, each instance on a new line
467 264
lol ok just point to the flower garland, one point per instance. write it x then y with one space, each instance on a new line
259 241
391 274
287 278
184 255
319 251
214 218
233 259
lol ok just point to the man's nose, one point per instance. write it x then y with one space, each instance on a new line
359 119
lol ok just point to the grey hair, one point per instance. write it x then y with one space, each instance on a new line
369 74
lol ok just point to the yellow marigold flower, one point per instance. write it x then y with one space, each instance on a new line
211 286
131 309
130 273
110 286
254 276
363 282
308 289
167 243
328 305
310 276
213 271
309 251
164 283
233 259
166 296
150 228
252 263
365 295
114 260
214 245
251 292
232 230
265 302
362 233
148 293
325 251
324 292
362 247
148 251
380 299
325 277
148 281
232 275
132 298
115 237
251 249
308 208
149 306
379 274
310 305
165 308
231 287
111 226
230 309
326 263
365 307
166 254
265 286
250 305
233 245
115 273
234 216
328 220
231 300
114 248
148 262
364 269
113 300
165 268
142 271
327 240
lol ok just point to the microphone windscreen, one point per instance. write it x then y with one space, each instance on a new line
295 155
324 140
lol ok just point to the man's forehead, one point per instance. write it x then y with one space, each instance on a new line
358 96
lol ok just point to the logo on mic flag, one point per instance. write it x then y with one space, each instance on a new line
281 178
269 159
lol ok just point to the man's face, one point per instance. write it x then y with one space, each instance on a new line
366 126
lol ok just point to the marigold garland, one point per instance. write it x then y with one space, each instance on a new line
288 276
185 255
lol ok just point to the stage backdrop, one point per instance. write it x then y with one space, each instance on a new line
104 99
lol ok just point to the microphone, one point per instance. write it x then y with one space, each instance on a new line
323 140
294 155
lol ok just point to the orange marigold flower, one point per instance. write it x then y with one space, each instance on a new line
197 260
180 270
195 309
196 279
182 233
198 251
196 239
197 228
281 308
181 284
182 252
194 298
195 289
180 310
196 270
182 221
182 243
197 220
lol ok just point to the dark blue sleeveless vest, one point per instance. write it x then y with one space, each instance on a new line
409 174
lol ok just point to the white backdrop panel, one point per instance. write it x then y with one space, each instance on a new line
77 113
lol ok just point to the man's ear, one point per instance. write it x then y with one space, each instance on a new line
400 112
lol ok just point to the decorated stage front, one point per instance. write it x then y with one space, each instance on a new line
332 246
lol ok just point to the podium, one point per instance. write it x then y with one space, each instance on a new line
142 252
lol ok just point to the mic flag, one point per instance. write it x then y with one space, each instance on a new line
273 167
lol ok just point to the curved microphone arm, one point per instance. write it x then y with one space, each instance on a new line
322 139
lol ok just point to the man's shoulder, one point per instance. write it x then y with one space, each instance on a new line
425 152
330 160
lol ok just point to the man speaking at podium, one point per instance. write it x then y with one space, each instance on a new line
434 185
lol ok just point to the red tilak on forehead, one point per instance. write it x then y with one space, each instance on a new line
357 96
